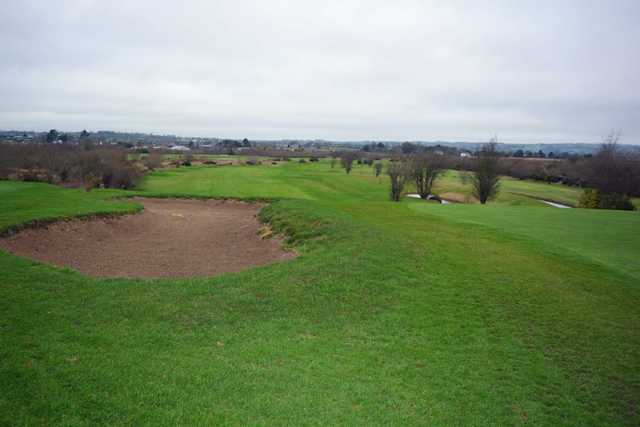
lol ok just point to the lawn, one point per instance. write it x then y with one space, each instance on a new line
394 313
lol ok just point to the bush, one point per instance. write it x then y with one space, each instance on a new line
314 159
594 199
616 201
589 199
91 166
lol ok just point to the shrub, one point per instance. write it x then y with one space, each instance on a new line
589 199
92 166
314 159
595 199
616 201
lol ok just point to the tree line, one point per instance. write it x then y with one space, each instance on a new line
609 178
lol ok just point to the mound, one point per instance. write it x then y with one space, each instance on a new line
170 238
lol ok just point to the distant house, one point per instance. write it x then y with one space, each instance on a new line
179 148
465 154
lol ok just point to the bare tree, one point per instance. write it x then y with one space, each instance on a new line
486 178
614 175
609 170
397 172
346 160
425 168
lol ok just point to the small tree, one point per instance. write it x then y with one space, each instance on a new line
377 168
346 160
398 175
425 169
485 179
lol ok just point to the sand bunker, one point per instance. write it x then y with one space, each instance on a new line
170 238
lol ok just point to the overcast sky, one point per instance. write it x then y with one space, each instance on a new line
532 71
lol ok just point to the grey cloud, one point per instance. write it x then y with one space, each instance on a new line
406 70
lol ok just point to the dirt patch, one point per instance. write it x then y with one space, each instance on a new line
169 238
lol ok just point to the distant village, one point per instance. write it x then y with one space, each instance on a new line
144 142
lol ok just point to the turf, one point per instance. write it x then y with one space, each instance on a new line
394 313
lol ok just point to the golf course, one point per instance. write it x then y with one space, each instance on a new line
408 313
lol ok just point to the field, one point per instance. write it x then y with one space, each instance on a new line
405 313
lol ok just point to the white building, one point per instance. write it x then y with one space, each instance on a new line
179 148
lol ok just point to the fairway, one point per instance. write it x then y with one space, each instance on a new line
410 313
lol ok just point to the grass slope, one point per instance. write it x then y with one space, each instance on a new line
22 203
392 314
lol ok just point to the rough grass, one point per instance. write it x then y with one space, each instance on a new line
392 314
514 191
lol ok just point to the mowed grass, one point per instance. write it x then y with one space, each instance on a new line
605 237
394 313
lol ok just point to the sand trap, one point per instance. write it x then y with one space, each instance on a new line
170 238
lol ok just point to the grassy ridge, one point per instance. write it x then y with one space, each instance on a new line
393 314
22 203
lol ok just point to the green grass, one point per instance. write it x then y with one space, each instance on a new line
605 237
22 203
514 191
394 313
